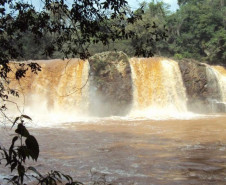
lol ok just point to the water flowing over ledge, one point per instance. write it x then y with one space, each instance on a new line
158 88
111 86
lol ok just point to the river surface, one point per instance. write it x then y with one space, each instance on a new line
134 152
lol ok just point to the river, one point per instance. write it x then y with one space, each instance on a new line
135 151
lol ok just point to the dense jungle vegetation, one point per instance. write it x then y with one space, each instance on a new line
196 30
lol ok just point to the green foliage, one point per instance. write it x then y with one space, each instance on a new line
197 30
178 56
150 30
216 47
59 30
87 28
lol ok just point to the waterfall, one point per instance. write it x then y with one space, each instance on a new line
136 88
221 77
158 87
59 91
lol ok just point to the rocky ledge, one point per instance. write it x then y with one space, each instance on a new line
202 87
110 83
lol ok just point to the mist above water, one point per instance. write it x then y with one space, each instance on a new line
62 92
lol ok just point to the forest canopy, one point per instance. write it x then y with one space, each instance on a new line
196 30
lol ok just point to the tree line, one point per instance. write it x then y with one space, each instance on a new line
196 30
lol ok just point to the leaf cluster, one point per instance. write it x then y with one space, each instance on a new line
24 146
62 31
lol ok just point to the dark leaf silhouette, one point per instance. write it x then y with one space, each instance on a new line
34 170
25 116
13 166
16 119
21 129
32 146
21 172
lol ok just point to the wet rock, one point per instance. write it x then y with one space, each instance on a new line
111 84
201 86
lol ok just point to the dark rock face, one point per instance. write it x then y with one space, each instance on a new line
202 88
111 84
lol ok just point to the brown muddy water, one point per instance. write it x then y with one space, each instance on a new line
135 152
